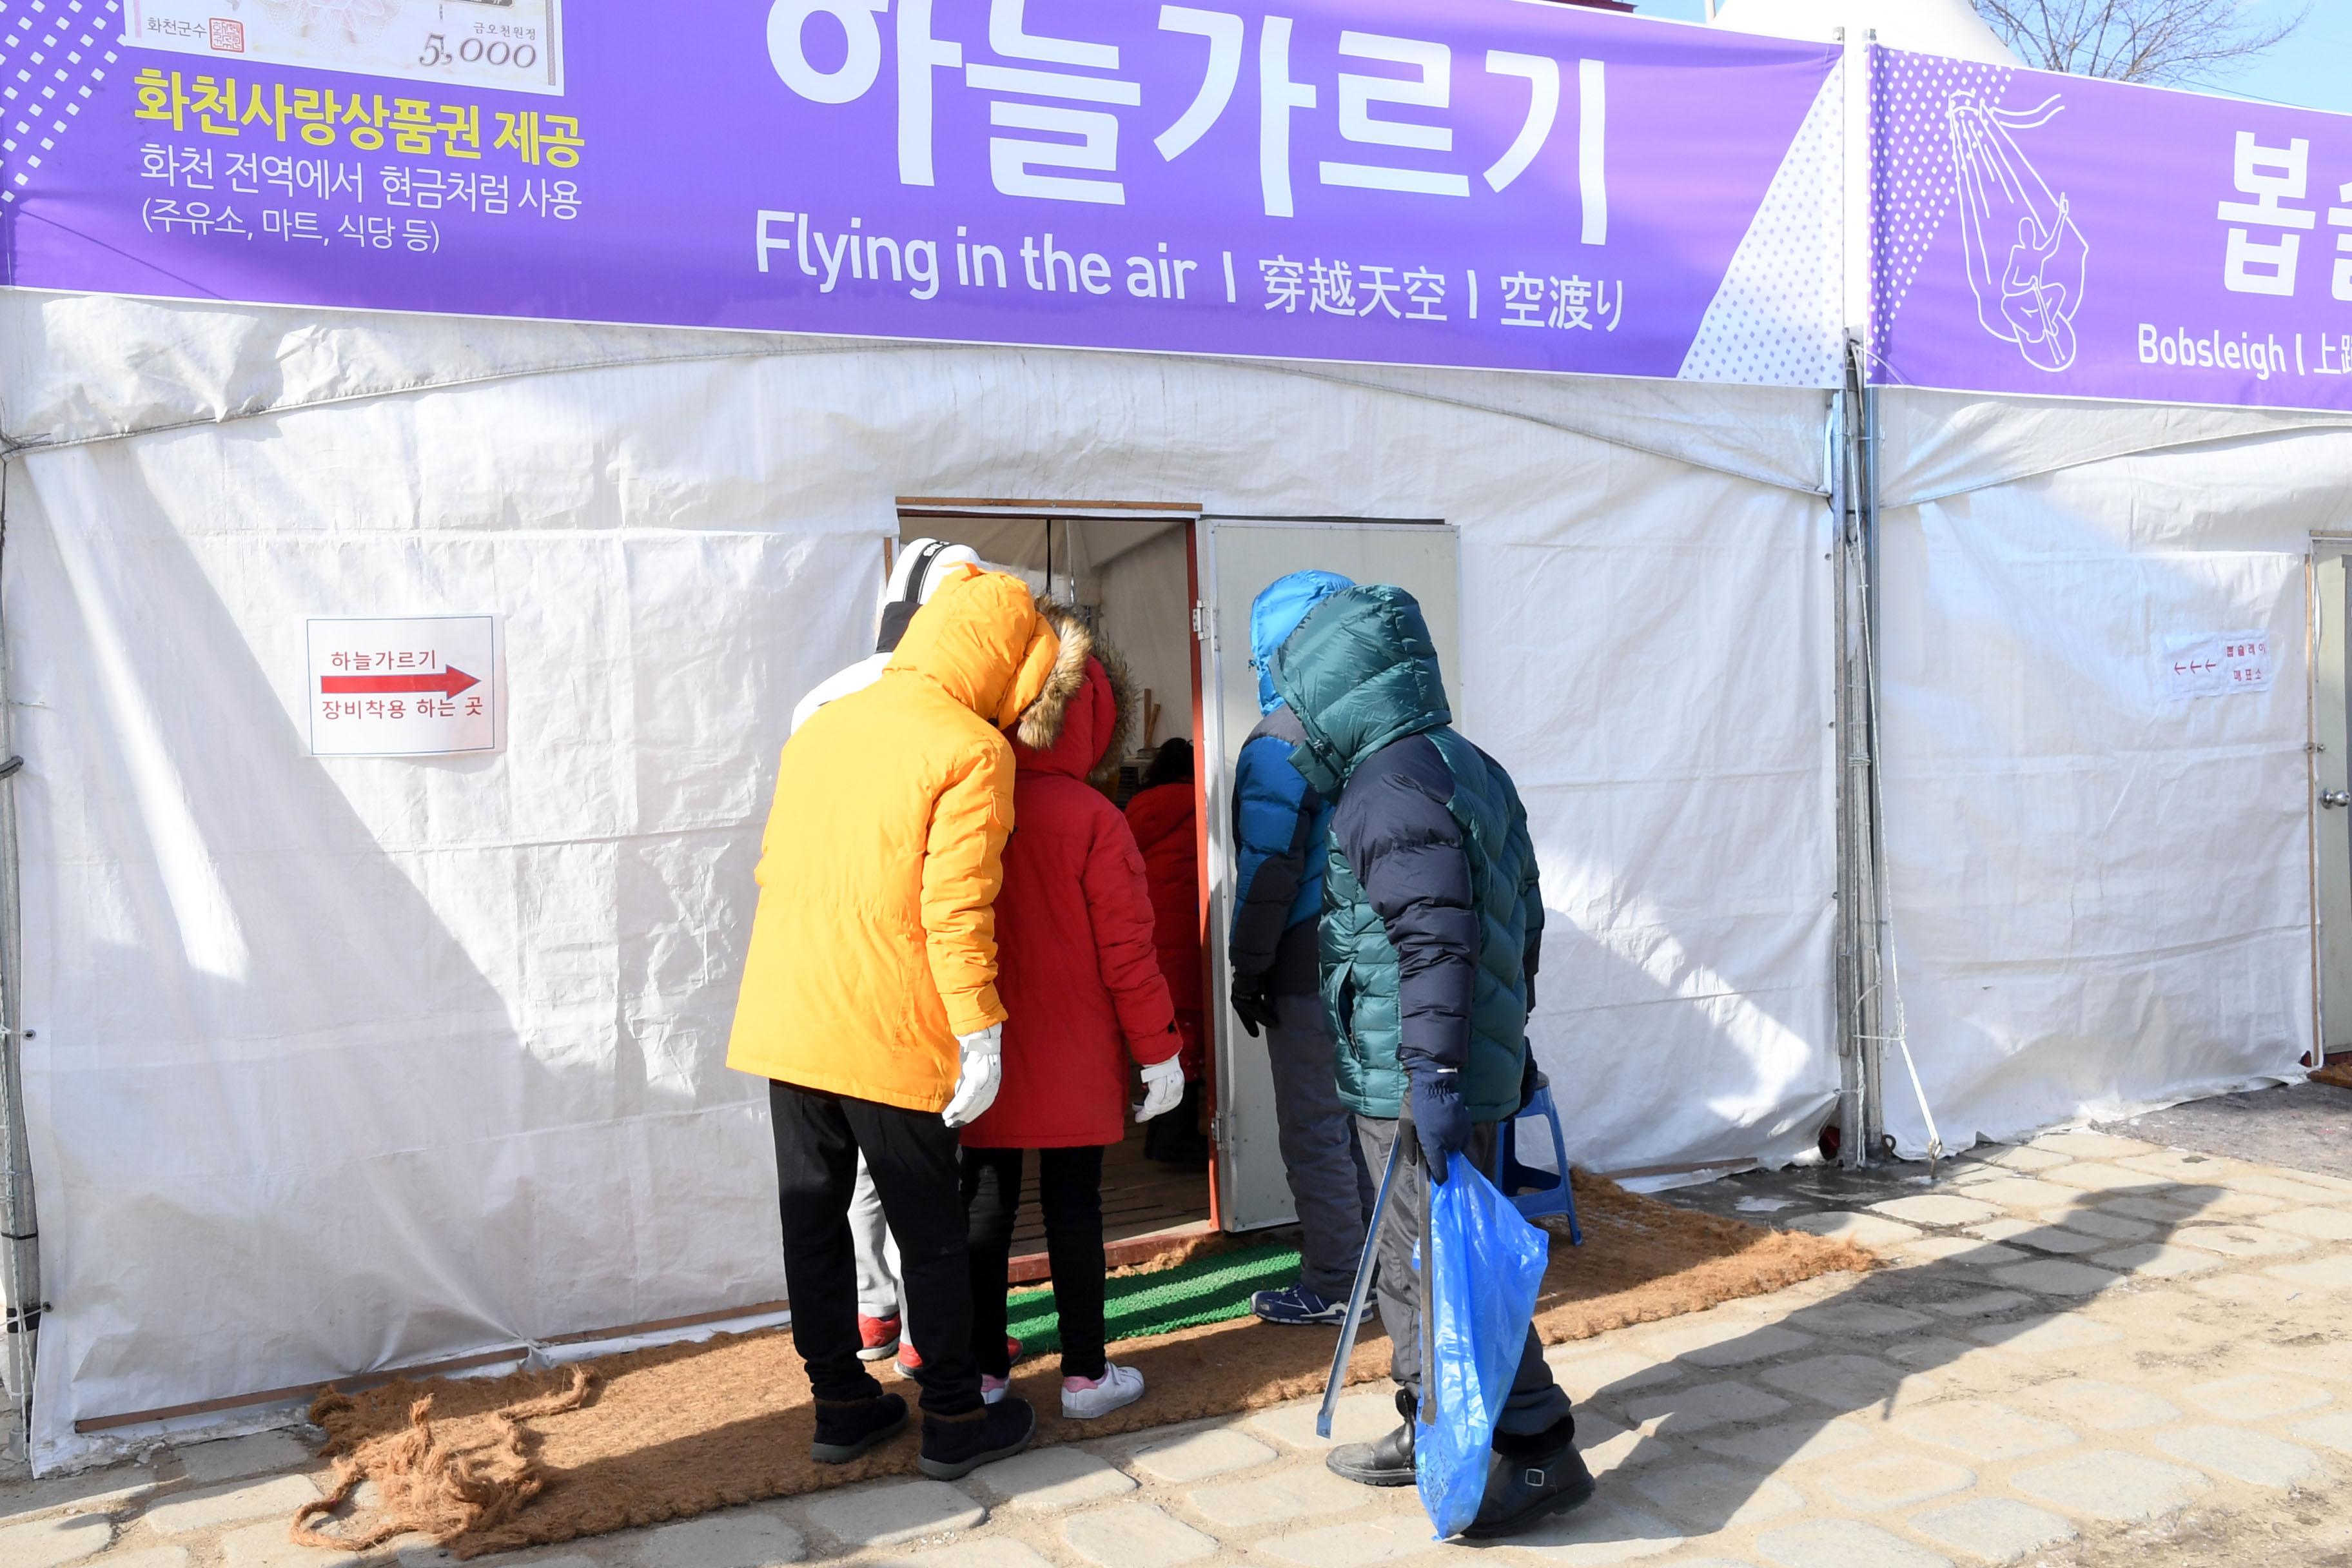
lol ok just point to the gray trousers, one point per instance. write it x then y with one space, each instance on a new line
1328 1184
876 1249
1536 1402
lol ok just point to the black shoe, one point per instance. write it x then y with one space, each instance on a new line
1525 1486
1386 1463
846 1428
955 1445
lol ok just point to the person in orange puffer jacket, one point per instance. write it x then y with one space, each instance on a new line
869 998
1080 981
1164 816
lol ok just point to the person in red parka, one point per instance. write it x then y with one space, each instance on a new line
1163 816
1081 986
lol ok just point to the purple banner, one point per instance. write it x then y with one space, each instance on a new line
1489 183
2065 236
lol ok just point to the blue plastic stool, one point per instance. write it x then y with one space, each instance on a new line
1537 1192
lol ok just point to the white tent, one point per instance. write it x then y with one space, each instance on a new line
2099 900
337 1064
2103 901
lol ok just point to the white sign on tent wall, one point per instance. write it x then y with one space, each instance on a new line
418 687
2216 664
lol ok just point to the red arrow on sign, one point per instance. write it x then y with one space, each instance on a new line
448 682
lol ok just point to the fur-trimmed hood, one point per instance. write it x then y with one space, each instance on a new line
1079 724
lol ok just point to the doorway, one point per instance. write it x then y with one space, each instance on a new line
2331 772
1127 572
1170 588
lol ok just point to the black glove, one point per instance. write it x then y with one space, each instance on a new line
1440 1119
1253 1001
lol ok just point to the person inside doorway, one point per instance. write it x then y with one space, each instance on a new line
869 998
1165 821
1281 835
1433 926
1080 977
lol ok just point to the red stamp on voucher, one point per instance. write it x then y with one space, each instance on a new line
228 36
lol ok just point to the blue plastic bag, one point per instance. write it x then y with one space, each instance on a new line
1489 1265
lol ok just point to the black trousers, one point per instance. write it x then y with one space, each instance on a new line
1536 1402
912 1154
1069 1190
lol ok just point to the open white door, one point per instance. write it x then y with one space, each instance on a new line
1241 556
2332 777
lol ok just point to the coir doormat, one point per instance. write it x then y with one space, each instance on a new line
533 1458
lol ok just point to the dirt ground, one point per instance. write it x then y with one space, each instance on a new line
2098 1349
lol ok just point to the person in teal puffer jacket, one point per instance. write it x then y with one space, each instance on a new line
1431 931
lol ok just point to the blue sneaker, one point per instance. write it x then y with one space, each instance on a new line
1297 1304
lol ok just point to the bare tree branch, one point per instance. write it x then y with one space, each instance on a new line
2175 42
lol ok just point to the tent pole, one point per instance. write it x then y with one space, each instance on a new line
1875 1000
20 1257
1860 918
1845 982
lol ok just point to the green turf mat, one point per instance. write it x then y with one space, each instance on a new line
1210 1290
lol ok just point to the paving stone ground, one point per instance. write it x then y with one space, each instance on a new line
2086 1352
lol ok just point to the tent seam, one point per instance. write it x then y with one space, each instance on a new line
1631 446
10 448
1995 481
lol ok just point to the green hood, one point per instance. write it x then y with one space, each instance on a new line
1360 672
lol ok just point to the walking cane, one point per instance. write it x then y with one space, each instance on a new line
1406 1138
1426 1285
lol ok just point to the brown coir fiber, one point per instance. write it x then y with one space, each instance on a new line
2337 1072
531 1459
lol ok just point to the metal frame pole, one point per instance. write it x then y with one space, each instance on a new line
1871 1009
1862 923
20 1257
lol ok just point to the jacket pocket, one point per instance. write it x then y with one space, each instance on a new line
1340 1001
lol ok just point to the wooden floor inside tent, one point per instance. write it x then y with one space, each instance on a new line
1141 1198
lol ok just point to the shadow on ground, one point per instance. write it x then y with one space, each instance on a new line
1750 1404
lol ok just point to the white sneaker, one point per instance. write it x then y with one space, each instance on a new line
993 1389
1084 1399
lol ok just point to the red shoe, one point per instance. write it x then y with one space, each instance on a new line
910 1364
877 1337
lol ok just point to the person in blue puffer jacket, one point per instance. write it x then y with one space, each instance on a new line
1281 829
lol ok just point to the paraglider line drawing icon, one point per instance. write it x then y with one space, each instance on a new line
2028 263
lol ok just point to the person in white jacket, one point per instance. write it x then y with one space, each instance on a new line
922 565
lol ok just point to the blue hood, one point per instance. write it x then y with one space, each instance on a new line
1276 613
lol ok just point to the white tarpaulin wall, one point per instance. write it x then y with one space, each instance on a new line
2102 892
339 1065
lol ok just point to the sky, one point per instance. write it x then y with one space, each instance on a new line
2312 69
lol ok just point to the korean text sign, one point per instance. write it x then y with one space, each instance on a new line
2065 236
1489 183
412 687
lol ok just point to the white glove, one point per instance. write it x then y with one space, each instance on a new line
1163 1086
981 1075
